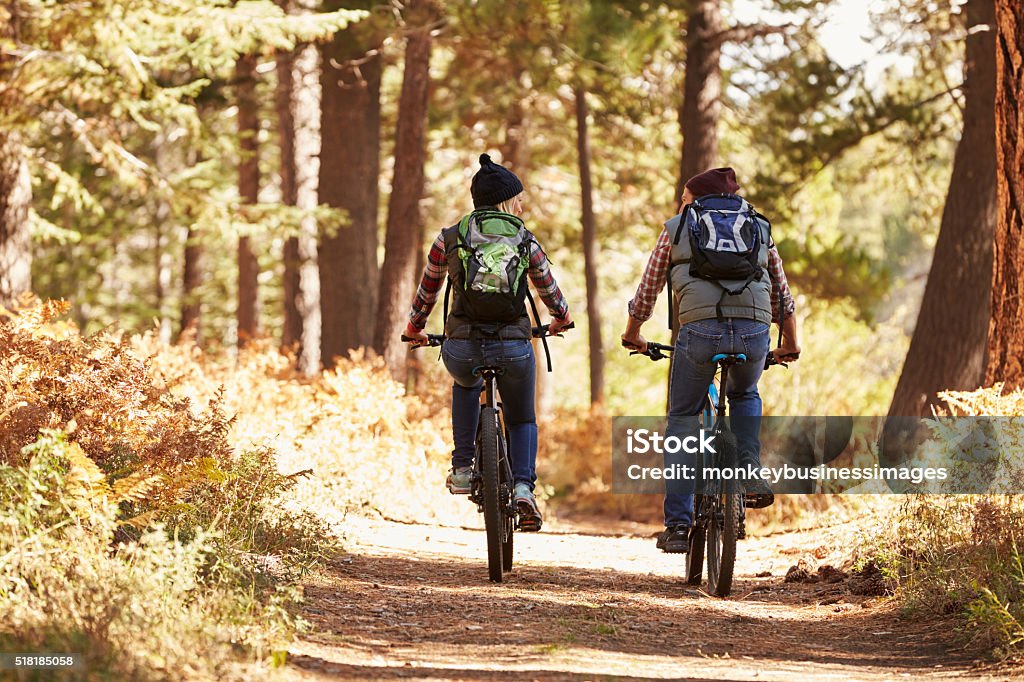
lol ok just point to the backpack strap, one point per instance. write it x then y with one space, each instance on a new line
727 291
536 316
682 221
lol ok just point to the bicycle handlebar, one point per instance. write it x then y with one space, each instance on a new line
660 351
432 339
538 332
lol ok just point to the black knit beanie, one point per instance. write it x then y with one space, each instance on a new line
493 184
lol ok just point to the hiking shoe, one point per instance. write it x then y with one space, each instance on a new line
460 480
674 540
530 520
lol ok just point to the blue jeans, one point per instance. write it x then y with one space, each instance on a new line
693 371
516 388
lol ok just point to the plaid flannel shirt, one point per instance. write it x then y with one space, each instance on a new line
641 308
437 269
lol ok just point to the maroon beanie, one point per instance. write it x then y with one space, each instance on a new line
714 181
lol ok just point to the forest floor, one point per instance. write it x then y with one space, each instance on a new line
599 602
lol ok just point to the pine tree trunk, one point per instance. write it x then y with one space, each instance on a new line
291 333
15 197
701 107
1006 331
702 91
349 170
589 250
398 274
515 146
947 350
248 189
192 277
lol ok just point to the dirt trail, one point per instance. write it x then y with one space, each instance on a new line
413 602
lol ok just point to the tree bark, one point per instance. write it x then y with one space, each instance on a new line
291 333
248 189
702 91
192 277
701 106
1006 330
948 349
589 249
349 170
15 197
402 242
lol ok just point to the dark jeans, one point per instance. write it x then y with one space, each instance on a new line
515 386
692 372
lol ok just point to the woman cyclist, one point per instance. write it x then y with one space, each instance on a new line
487 257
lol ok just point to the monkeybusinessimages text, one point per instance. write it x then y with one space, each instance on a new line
648 441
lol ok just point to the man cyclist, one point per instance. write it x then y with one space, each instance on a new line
490 329
712 321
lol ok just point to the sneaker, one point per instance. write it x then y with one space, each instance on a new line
460 480
530 520
674 540
758 493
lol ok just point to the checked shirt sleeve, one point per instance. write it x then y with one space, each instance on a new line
780 287
545 284
433 277
641 308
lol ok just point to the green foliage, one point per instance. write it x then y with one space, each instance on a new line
113 103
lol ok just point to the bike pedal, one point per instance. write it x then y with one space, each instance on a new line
759 501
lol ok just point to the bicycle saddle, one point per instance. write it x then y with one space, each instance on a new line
481 370
730 358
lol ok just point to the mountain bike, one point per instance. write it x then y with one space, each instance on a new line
719 504
493 485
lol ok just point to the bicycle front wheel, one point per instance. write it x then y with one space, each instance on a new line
493 521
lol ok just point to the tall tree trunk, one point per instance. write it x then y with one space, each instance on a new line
291 333
248 189
398 274
1006 330
701 106
349 170
192 277
589 249
702 91
15 196
948 348
515 145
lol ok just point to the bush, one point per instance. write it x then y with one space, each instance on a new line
156 609
129 433
962 554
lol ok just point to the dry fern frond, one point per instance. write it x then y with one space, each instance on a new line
85 478
135 487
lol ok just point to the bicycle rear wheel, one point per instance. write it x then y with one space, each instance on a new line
724 521
722 533
695 558
508 518
493 521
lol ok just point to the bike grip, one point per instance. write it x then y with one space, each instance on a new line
407 339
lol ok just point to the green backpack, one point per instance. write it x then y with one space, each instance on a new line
494 251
